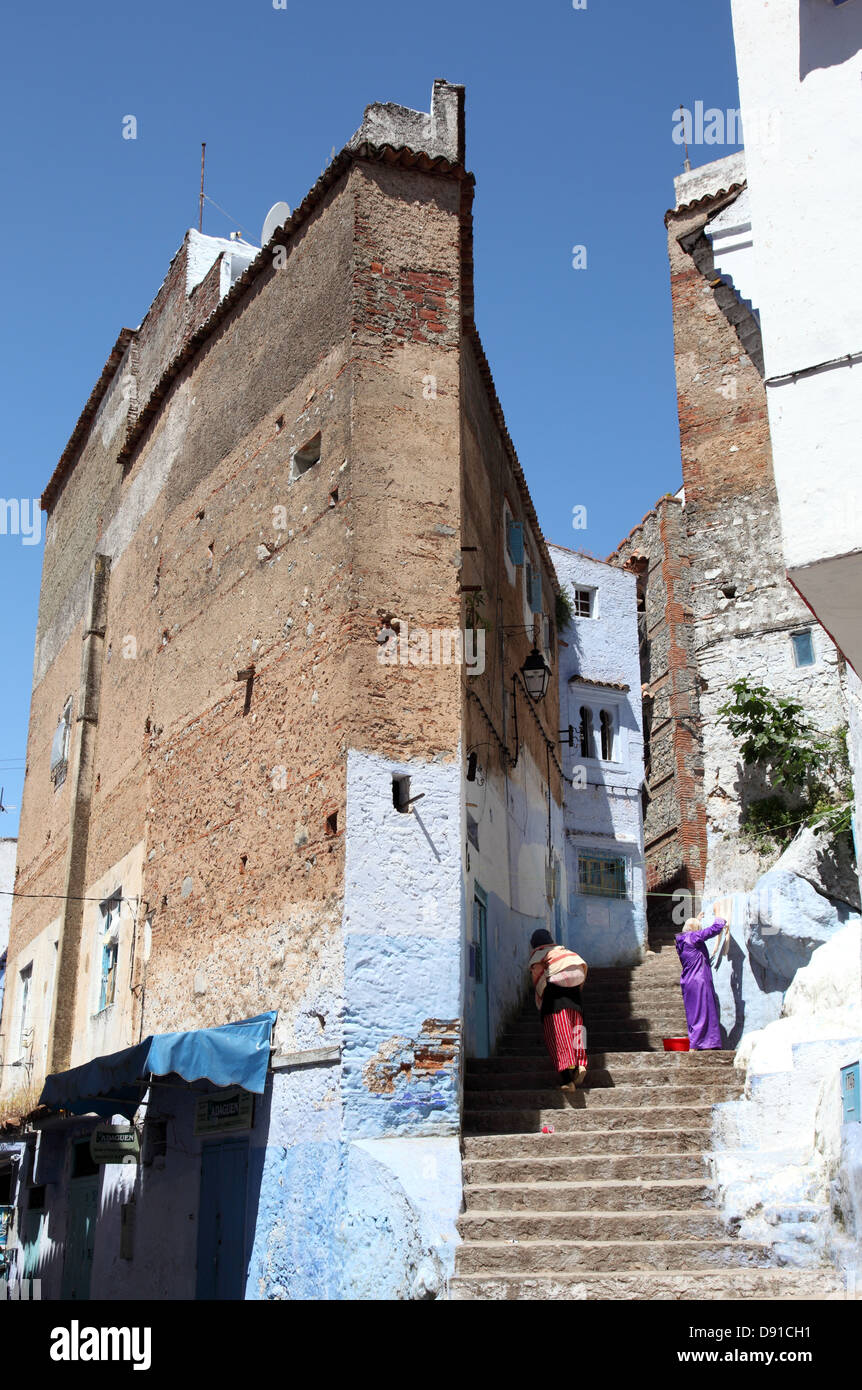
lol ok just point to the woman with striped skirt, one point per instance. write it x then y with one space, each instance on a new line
557 976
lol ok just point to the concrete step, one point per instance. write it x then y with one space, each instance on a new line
641 1096
696 1224
571 1143
618 1256
584 1168
598 1195
731 1285
667 1063
666 1026
529 1122
622 1043
541 1076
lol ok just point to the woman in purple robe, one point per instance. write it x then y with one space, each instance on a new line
698 993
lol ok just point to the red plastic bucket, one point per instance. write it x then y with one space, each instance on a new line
675 1044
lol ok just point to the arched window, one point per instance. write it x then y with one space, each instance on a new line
586 732
606 722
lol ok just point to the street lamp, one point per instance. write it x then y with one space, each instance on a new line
536 673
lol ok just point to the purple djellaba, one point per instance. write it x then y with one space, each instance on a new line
698 993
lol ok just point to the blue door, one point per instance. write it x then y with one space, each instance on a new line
221 1219
481 1005
80 1237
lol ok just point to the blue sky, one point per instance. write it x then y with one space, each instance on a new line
569 121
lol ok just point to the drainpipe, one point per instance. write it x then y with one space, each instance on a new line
82 759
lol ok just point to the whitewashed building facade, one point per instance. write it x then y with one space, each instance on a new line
600 699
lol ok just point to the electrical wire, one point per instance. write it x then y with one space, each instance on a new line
208 199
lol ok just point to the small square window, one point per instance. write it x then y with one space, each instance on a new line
802 644
602 875
583 604
307 456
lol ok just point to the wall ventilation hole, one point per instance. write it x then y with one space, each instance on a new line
243 860
401 793
729 590
332 824
307 456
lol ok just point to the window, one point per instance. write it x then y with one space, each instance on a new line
601 875
60 746
583 603
514 537
306 457
598 733
83 1163
606 725
109 946
802 644
25 1034
532 583
586 735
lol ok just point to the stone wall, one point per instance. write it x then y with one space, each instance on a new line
717 605
656 550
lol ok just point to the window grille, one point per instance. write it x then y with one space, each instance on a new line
60 747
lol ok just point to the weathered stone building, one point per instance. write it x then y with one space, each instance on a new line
716 603
260 776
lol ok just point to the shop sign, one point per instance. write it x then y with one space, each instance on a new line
224 1110
115 1144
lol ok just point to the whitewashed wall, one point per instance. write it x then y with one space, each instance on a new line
805 191
606 814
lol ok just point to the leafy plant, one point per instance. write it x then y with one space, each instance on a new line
769 821
563 611
473 606
777 735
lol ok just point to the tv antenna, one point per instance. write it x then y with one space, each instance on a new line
687 165
201 203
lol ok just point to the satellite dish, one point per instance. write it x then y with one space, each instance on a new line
276 217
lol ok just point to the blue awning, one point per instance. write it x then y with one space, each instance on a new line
237 1054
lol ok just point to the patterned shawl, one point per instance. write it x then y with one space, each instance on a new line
556 966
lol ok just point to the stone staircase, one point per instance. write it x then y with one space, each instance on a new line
617 1202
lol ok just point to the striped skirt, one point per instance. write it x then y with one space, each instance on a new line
566 1038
